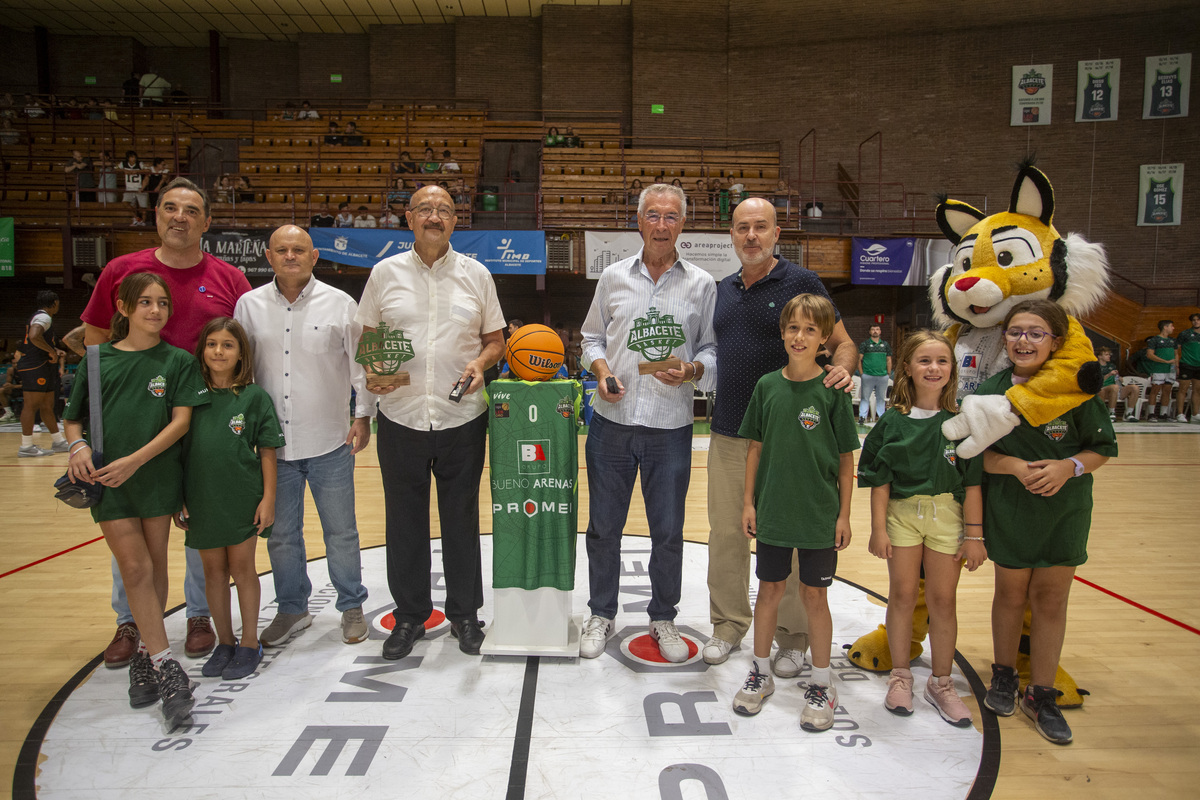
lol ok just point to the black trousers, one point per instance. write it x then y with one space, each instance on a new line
407 459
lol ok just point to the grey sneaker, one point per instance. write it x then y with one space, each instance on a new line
787 662
283 627
32 451
1001 697
60 447
818 710
716 650
758 686
354 627
1040 704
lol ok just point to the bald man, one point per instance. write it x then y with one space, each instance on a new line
304 339
746 322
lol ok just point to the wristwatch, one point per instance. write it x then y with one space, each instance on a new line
1078 466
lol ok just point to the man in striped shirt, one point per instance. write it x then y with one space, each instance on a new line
649 307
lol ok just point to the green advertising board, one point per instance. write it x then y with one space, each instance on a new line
534 467
8 259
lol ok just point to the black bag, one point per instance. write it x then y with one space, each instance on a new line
74 493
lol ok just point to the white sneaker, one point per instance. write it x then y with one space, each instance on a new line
32 451
818 711
1181 418
787 663
9 417
1195 419
757 688
40 428
596 633
670 643
716 650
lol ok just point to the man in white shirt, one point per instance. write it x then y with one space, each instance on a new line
649 307
443 307
305 339
364 218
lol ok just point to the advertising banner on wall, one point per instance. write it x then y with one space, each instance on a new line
1032 86
712 252
8 250
880 262
502 252
1168 84
1160 194
1097 89
246 250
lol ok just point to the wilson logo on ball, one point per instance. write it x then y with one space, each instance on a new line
535 353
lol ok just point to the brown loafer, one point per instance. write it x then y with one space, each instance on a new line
200 637
122 647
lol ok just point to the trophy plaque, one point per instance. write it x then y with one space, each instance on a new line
655 337
381 352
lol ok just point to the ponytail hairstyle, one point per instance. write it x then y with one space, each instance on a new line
128 292
903 391
243 371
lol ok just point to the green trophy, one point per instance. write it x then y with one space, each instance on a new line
655 337
381 352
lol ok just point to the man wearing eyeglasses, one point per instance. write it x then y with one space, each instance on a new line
443 305
647 308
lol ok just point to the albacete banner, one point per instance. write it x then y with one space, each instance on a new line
534 467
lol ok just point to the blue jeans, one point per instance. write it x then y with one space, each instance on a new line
614 455
878 385
193 589
331 477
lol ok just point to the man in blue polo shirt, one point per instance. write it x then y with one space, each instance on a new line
746 322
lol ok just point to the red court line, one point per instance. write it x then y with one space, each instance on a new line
1124 599
47 558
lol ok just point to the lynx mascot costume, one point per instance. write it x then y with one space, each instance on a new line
997 262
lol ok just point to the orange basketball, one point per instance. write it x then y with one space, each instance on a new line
535 352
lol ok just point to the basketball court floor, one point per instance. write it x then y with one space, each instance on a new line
325 719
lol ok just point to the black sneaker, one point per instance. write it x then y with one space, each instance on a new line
1001 696
1040 704
175 689
143 681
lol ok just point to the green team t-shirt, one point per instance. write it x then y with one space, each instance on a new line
1109 373
1162 347
804 428
874 356
138 391
222 473
915 458
1024 530
1189 344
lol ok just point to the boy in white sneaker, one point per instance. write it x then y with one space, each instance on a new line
799 479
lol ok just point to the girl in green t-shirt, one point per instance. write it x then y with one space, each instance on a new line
926 511
229 490
1038 504
148 391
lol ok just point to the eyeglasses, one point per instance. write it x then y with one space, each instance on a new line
653 217
1033 336
443 212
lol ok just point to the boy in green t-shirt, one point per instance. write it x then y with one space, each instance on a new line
1161 355
1111 390
799 479
1189 370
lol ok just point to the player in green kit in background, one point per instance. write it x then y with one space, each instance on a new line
1189 370
875 364
1161 354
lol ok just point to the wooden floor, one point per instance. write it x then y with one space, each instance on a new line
1139 732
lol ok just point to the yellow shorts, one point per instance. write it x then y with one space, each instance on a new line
935 522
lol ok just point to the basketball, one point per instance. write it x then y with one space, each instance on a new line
535 352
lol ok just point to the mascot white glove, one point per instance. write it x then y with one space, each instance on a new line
982 421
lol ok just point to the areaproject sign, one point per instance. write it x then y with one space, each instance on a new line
502 252
711 252
881 262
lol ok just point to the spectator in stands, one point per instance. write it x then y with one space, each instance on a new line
307 111
79 171
389 220
136 218
782 194
289 112
677 183
134 173
8 108
448 163
243 192
364 219
223 190
8 134
571 140
635 190
352 137
660 178
154 88
323 219
92 110
109 108
553 137
700 194
430 164
459 191
406 165
157 176
71 109
106 175
344 218
332 136
34 108
132 88
400 194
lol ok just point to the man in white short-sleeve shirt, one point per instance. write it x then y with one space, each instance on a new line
441 310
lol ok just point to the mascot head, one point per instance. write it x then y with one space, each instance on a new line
1015 255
